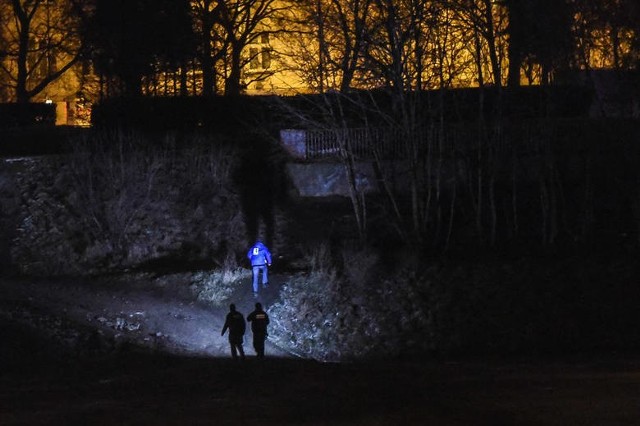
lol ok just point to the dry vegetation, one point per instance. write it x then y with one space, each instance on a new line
122 200
117 204
526 306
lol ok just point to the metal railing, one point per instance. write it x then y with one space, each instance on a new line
361 143
364 143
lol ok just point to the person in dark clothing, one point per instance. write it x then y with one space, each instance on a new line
237 326
259 321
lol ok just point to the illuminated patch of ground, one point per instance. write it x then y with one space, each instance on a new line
107 315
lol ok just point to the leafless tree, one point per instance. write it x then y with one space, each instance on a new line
242 23
212 45
42 42
606 34
334 41
485 20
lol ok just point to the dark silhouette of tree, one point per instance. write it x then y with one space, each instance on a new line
3 43
339 29
41 41
224 30
607 33
241 21
539 31
212 46
483 18
132 39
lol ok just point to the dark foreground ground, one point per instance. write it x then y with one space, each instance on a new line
190 380
140 389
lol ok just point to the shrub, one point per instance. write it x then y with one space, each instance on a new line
526 306
215 287
334 317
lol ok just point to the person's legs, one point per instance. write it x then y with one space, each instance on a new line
258 345
256 272
265 276
237 348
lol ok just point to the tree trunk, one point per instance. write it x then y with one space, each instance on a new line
22 92
183 80
356 193
207 62
478 58
321 46
491 42
516 43
515 61
232 84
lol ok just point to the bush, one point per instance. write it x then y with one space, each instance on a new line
334 317
215 287
527 306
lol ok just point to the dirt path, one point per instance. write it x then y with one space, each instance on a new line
160 317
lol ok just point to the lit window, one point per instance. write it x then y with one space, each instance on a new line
52 62
254 59
266 58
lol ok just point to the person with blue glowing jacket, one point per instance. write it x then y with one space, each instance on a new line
260 258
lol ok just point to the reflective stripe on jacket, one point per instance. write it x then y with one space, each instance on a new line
259 255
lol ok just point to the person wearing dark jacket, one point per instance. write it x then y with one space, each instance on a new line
236 325
259 321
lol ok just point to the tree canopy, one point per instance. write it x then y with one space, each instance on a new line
131 39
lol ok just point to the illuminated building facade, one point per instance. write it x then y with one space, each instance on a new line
39 46
286 47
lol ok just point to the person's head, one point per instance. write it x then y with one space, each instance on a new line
259 306
232 307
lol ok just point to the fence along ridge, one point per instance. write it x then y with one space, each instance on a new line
393 143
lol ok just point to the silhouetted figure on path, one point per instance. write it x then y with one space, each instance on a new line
237 326
259 321
260 258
